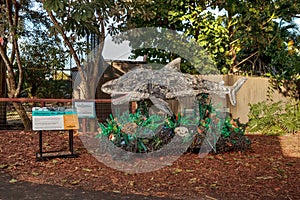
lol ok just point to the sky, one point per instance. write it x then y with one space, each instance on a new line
114 51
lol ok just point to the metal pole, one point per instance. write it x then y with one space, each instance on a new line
41 144
71 142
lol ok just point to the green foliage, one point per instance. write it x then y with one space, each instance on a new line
143 136
289 87
44 59
151 132
274 118
232 137
190 19
247 37
260 32
81 18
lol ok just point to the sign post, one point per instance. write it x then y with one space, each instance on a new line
85 110
54 119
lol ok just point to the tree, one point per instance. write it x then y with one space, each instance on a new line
236 37
11 30
194 20
265 40
253 28
2 91
29 52
2 76
74 21
43 58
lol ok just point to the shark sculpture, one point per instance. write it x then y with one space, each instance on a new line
166 83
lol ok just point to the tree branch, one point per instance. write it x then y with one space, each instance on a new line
65 37
244 60
10 74
16 47
11 26
70 46
98 58
11 79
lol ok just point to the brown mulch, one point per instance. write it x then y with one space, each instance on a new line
270 170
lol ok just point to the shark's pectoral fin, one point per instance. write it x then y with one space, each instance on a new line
234 89
120 99
161 105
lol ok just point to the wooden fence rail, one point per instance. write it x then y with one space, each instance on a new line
10 119
253 91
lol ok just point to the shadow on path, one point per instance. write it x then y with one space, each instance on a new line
28 191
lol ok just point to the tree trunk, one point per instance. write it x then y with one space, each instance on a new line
2 93
233 69
23 115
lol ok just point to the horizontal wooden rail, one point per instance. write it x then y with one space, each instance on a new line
22 100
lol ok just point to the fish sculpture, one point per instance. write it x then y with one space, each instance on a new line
166 83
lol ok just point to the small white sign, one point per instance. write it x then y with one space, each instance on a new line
85 109
48 122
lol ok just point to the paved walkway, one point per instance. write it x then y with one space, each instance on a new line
29 191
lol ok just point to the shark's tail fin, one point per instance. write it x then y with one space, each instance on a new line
234 89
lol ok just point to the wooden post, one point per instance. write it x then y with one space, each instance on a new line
84 125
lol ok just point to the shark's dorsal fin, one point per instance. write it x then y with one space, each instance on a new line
173 65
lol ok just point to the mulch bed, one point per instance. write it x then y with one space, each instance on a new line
270 170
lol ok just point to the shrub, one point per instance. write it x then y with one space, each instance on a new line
274 118
232 136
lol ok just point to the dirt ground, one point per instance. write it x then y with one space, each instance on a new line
270 170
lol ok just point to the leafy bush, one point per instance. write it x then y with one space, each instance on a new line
274 118
232 137
135 132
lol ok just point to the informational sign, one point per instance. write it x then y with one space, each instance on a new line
54 119
85 109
